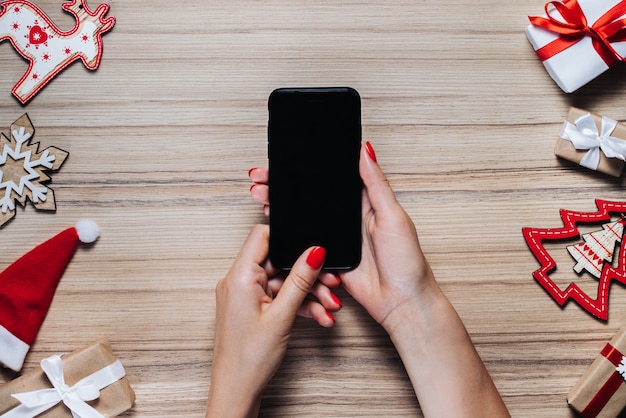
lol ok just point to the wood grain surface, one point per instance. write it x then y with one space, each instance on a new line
463 117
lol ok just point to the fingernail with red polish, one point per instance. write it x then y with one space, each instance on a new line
370 151
251 170
252 187
330 316
336 300
316 257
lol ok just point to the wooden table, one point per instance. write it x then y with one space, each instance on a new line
463 117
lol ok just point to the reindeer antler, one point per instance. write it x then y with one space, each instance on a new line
81 12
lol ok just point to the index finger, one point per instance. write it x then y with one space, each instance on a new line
256 246
255 250
259 175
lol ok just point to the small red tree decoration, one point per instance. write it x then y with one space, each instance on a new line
535 237
597 248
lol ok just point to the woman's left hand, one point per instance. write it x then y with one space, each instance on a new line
256 309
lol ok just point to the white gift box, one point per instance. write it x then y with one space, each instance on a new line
580 63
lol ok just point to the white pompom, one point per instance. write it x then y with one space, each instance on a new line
88 231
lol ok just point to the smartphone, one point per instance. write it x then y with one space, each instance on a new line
314 141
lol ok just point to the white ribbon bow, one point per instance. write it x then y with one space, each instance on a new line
584 135
75 397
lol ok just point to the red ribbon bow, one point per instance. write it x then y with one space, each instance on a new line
608 28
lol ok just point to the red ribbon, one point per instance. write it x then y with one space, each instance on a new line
608 28
609 388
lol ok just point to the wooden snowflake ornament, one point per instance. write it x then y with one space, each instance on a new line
593 255
23 170
48 49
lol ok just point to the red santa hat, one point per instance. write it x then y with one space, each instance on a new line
27 288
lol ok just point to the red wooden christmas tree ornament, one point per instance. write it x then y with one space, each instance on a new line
589 255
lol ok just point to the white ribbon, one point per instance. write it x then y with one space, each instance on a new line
621 369
583 134
75 397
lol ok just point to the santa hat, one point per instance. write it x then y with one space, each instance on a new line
27 288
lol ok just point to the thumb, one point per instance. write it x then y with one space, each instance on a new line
379 192
299 282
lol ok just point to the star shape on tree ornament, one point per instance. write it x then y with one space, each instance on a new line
535 237
23 170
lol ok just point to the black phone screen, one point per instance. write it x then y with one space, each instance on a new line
314 138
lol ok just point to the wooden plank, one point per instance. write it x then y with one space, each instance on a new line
463 118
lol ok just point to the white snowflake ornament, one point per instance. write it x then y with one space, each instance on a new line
23 170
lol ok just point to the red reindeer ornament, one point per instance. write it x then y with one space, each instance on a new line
48 49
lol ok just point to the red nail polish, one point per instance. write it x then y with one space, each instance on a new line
330 316
252 187
316 257
336 300
370 151
251 170
338 279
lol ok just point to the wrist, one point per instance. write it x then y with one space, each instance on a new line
226 406
415 311
231 401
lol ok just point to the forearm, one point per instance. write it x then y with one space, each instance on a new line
225 403
447 373
233 393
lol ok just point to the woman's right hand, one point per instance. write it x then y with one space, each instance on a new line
393 269
396 285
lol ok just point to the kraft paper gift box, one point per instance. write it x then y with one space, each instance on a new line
80 371
601 391
577 40
601 142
